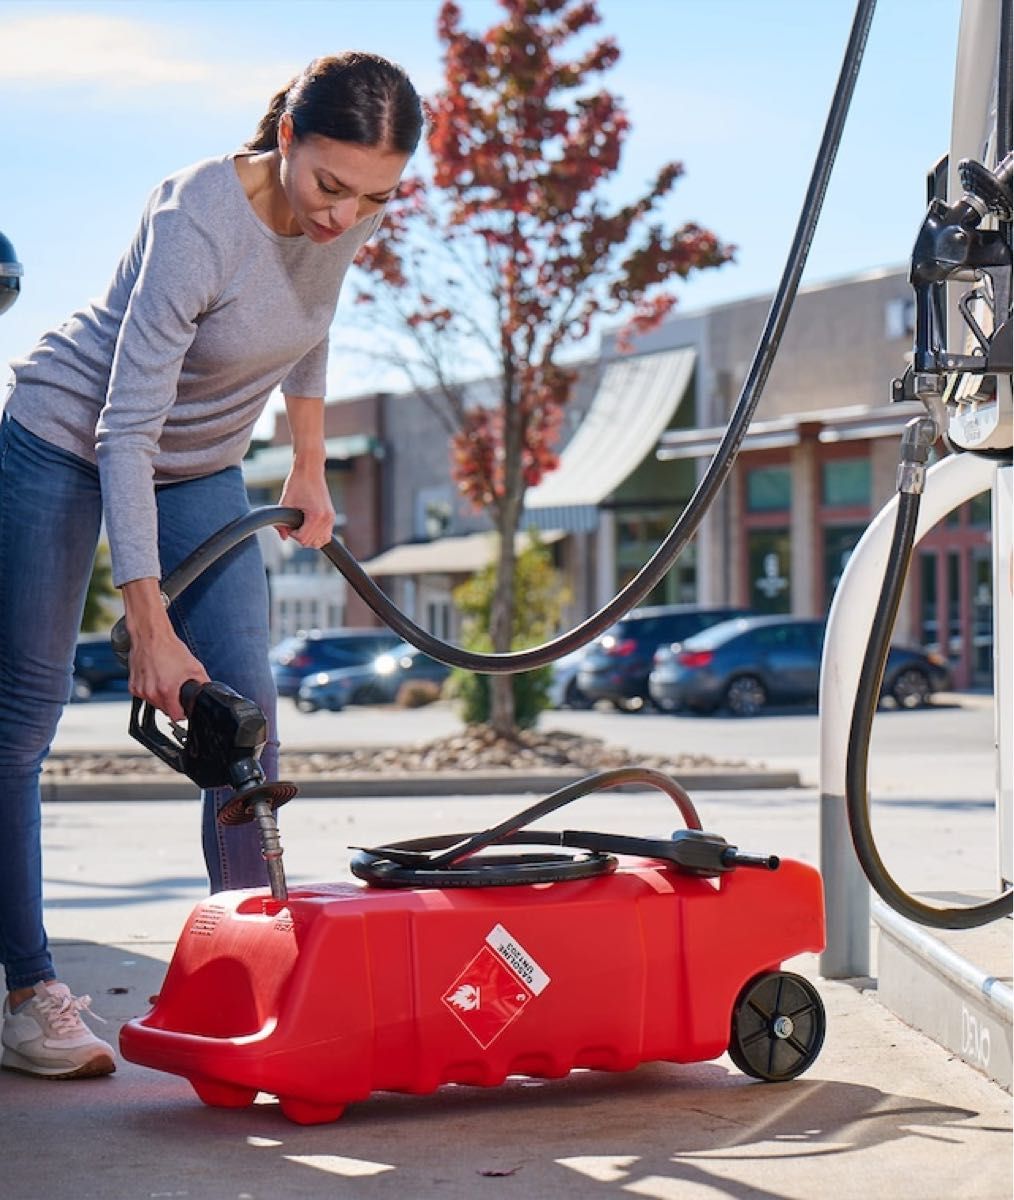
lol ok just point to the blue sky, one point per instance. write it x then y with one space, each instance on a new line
102 100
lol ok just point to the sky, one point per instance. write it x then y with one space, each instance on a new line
103 100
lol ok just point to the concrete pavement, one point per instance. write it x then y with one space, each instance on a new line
883 1114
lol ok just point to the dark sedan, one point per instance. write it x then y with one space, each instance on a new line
96 667
319 650
376 682
746 664
616 666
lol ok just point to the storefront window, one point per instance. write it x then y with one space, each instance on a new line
770 559
845 482
954 629
768 489
638 535
839 542
980 511
929 627
981 579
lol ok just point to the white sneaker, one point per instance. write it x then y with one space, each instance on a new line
46 1036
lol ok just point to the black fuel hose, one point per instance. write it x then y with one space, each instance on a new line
686 525
871 678
454 860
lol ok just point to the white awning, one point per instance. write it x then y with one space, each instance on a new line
447 556
634 405
271 465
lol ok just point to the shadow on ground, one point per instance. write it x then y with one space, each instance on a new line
660 1131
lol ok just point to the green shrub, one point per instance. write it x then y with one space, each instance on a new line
531 695
100 599
543 595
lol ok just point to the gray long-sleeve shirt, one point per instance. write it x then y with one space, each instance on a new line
164 377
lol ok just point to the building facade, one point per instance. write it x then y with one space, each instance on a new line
817 463
305 589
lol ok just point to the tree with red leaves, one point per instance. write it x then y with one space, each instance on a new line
512 251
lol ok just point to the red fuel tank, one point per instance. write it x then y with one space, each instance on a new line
344 989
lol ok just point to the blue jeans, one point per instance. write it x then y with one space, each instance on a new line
50 515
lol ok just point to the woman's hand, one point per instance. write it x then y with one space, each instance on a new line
306 489
306 486
160 664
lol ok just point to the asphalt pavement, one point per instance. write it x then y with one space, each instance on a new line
883 1112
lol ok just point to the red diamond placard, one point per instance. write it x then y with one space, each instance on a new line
487 996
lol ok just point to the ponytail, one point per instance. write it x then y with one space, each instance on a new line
266 137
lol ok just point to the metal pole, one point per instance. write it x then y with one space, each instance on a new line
1003 667
949 484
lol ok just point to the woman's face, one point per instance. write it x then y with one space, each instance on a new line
330 185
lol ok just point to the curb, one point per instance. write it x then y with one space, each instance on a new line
954 991
365 786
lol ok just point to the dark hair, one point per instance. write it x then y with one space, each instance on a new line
351 97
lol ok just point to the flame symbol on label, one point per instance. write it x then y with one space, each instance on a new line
466 997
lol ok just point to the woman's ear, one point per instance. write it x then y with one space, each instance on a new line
284 134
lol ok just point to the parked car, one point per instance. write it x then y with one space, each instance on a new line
750 662
325 650
564 691
375 682
616 667
96 667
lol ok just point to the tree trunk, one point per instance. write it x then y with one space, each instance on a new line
501 706
501 625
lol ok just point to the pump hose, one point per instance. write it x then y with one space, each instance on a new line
857 800
686 525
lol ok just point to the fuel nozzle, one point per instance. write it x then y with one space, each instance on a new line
257 802
954 244
221 747
986 189
950 244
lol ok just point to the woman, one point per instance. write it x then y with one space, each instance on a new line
140 409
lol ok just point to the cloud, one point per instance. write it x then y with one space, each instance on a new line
106 56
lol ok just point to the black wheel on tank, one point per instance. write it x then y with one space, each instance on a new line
778 1026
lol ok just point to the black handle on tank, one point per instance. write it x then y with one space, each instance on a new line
693 851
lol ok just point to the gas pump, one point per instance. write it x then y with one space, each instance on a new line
960 371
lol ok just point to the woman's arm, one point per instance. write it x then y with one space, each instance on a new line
306 486
176 276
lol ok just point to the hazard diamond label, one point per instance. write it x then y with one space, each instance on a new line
490 992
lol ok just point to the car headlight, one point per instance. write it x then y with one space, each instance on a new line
386 664
320 678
